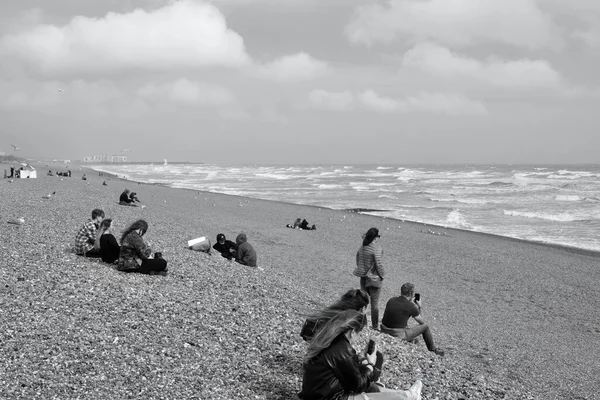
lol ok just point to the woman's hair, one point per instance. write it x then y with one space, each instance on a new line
104 225
353 299
342 322
139 224
370 236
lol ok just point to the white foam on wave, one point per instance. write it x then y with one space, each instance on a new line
387 196
456 219
327 186
561 217
567 197
383 168
472 201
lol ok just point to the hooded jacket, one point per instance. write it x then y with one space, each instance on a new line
245 252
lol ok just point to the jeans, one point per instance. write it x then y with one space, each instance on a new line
409 334
374 290
150 265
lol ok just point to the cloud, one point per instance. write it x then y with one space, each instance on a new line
441 62
186 92
454 22
183 34
437 103
338 101
296 67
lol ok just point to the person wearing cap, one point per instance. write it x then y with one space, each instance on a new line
399 310
226 247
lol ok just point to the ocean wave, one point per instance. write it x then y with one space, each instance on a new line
561 217
457 220
387 196
500 184
567 197
327 186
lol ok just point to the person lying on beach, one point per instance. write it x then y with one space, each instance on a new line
136 255
304 226
86 236
354 299
107 243
334 370
227 248
397 313
246 254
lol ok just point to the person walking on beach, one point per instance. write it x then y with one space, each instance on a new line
133 248
397 313
333 369
246 254
86 236
369 268
353 299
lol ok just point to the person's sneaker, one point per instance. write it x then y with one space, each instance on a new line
375 328
439 352
414 393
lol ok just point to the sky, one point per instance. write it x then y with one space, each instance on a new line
302 81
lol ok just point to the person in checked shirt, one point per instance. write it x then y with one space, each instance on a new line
86 237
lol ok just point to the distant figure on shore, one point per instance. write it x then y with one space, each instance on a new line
246 254
86 237
124 199
226 247
50 173
369 268
83 178
334 370
301 224
12 172
107 243
104 183
397 313
136 255
69 173
354 299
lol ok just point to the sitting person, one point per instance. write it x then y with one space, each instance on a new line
104 183
245 254
227 248
354 299
124 199
107 243
133 248
333 369
83 178
86 237
50 173
133 197
398 311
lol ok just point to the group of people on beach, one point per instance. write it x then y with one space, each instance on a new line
302 225
241 251
95 239
332 367
128 198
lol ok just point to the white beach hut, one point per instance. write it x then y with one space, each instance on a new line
27 172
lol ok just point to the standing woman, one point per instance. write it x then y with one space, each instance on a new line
334 371
106 243
369 268
133 248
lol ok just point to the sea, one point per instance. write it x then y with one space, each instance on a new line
554 204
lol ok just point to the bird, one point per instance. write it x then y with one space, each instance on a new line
49 195
60 90
15 148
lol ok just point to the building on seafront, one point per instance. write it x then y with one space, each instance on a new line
105 158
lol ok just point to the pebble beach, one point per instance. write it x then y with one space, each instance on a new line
518 320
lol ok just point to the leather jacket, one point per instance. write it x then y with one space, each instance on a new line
335 373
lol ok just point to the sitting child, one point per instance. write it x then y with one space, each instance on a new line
226 247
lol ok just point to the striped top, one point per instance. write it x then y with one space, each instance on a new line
368 262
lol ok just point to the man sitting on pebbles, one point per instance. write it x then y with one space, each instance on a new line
86 237
246 254
126 200
397 313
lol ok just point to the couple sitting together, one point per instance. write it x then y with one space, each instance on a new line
241 250
303 225
95 239
128 198
333 370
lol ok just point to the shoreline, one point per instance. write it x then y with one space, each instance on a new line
572 249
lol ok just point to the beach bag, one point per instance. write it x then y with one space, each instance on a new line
200 244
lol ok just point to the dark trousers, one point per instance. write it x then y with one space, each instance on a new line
374 290
94 253
153 265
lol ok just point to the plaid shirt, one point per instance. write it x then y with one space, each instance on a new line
84 241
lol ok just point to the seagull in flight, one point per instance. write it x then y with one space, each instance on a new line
15 148
60 90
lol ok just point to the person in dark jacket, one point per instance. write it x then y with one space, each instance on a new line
334 371
106 243
133 248
353 299
305 227
124 199
226 247
245 252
